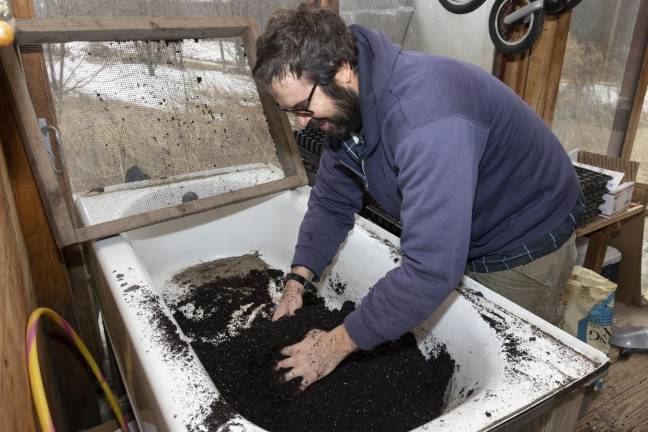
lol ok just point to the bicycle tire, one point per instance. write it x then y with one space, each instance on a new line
461 7
504 45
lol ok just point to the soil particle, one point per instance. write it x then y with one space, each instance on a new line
503 328
170 338
338 286
132 288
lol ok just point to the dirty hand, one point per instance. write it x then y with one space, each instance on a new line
291 299
316 355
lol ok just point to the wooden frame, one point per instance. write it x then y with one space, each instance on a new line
85 29
535 75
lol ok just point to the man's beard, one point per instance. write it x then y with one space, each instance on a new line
346 120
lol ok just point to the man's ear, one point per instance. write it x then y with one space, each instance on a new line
345 74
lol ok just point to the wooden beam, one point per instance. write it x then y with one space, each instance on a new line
117 29
535 75
70 388
561 34
48 185
637 105
46 271
278 123
630 90
107 229
562 416
597 247
629 241
17 300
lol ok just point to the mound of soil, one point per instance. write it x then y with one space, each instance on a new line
391 388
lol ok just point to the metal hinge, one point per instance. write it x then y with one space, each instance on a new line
45 131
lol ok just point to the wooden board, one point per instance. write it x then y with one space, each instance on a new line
118 29
69 388
629 241
535 74
637 106
16 302
601 221
630 91
562 416
48 186
107 229
280 129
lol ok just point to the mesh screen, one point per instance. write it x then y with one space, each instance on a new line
152 111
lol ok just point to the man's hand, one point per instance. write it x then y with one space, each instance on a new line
316 355
291 299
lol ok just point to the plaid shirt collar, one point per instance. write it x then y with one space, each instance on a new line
355 147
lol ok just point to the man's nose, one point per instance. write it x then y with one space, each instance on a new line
302 121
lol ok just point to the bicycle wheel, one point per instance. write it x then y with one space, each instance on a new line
461 6
571 4
554 7
516 37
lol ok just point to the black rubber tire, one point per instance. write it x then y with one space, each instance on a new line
504 46
554 7
571 4
461 6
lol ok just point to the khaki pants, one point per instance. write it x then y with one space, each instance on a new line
537 286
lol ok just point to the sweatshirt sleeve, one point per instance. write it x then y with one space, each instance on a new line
332 206
438 167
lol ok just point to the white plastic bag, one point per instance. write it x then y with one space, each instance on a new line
589 312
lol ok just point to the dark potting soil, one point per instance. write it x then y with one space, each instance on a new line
391 388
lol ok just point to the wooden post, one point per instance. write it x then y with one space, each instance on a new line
535 75
17 301
76 390
637 103
631 94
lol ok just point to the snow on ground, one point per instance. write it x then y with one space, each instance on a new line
123 77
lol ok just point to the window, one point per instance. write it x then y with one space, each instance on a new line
597 53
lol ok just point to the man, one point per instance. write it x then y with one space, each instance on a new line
480 184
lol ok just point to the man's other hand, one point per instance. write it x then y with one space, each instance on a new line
316 355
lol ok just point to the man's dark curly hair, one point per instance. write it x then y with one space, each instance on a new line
309 43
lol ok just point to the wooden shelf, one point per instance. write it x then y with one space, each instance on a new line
603 221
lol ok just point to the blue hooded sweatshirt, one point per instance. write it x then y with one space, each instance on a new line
465 164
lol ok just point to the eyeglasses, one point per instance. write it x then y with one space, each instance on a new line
302 110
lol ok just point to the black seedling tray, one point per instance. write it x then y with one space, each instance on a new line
311 144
